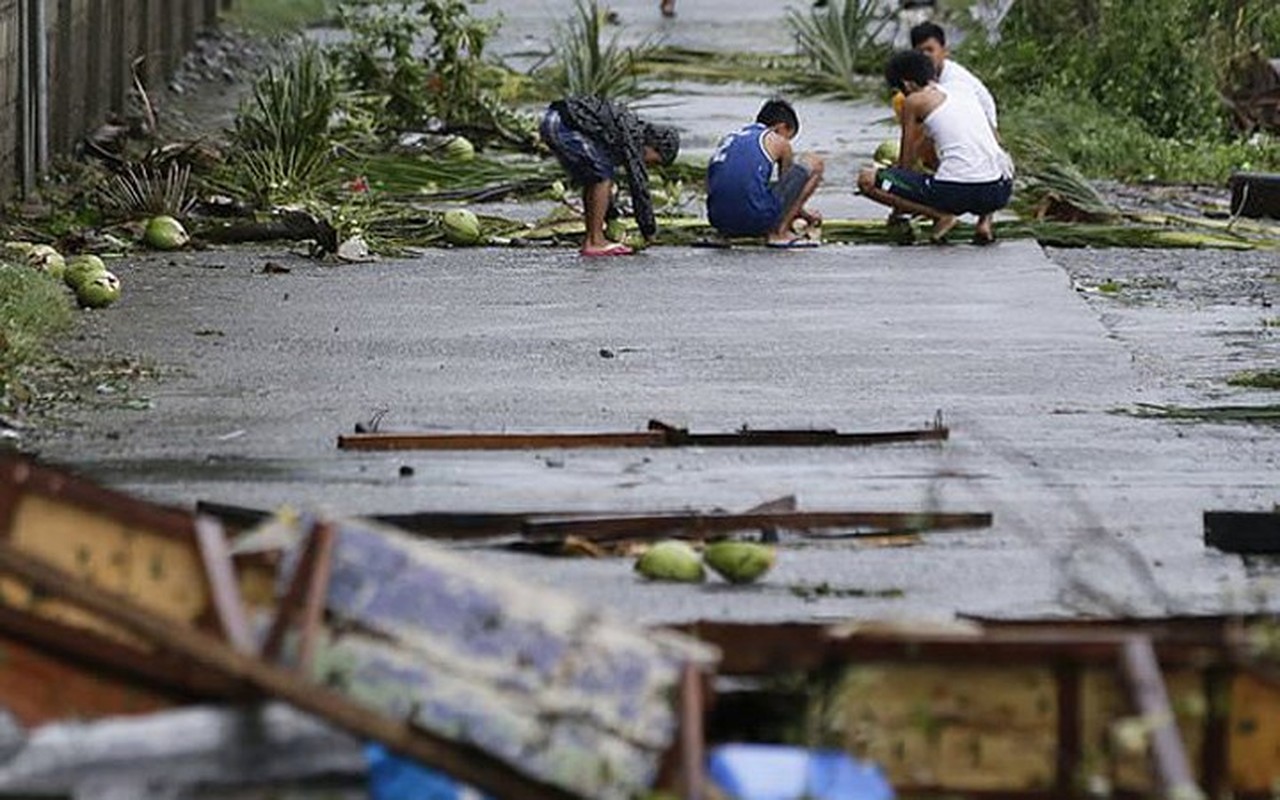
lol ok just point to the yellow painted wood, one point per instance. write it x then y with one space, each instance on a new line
962 727
158 572
1254 735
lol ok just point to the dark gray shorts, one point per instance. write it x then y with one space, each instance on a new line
790 185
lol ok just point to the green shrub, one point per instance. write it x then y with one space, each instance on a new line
1160 64
1103 144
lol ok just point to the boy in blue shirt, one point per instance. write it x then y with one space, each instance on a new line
757 186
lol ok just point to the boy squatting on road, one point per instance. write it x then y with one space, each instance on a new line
756 186
974 174
592 137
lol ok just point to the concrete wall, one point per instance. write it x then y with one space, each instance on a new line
91 45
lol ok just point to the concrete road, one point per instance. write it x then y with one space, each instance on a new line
1095 512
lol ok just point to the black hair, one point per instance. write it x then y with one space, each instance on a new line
778 110
909 65
926 31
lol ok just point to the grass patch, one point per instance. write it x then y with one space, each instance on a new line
275 17
1256 379
33 307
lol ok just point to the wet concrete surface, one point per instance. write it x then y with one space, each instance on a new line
1095 512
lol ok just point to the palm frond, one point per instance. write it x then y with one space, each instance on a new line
842 42
143 190
587 64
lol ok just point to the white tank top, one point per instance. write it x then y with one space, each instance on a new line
967 148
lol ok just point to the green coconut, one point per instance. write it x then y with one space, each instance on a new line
82 269
887 153
165 233
16 252
100 292
459 148
461 227
671 560
739 562
46 259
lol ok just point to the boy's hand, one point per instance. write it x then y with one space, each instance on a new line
814 218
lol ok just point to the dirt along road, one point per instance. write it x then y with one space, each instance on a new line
1096 512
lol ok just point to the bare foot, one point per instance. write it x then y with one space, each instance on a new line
941 227
668 8
984 233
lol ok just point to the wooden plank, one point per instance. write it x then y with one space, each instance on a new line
496 441
1243 531
444 525
223 585
39 686
616 527
1141 670
659 434
317 588
469 765
693 755
770 648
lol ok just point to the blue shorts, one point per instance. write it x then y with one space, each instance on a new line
949 196
583 158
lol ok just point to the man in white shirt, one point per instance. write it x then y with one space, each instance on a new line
974 174
929 38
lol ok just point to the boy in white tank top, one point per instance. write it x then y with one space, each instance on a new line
974 174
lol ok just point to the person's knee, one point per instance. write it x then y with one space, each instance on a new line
815 165
866 179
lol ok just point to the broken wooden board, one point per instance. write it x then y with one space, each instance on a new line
1027 709
620 527
208 654
659 434
157 557
560 691
1245 532
561 532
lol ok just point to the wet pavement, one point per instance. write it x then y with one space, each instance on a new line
1095 512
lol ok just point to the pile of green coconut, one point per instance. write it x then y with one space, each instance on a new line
86 275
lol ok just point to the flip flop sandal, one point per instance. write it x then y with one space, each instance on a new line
797 243
615 249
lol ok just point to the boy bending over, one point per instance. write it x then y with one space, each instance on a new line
974 175
756 186
592 138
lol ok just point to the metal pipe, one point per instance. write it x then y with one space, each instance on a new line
26 128
40 46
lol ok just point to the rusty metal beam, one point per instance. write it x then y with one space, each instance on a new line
659 434
615 527
468 764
